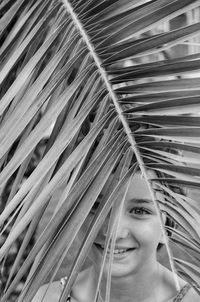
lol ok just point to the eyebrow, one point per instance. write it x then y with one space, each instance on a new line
140 200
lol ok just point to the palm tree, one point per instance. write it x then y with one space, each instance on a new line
100 81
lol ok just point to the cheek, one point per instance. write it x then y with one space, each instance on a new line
150 233
86 225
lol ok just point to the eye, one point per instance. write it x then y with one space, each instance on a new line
139 211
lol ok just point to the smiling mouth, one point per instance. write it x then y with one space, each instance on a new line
119 253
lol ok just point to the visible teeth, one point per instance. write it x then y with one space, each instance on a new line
119 251
115 251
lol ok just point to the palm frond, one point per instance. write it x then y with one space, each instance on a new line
99 82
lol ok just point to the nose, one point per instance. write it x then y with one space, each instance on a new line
121 227
122 230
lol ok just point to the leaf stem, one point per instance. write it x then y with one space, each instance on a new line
121 117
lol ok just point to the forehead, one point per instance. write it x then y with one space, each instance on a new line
138 188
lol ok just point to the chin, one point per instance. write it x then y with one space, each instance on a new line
120 271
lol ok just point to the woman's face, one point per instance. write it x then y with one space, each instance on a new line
138 234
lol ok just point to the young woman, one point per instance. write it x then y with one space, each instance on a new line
137 276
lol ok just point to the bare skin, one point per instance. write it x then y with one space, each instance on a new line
157 288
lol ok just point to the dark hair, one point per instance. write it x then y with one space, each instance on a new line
169 224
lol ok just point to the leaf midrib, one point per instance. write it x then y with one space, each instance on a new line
106 81
119 111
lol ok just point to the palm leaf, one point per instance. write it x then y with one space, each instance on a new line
64 74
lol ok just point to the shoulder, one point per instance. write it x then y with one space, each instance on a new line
186 293
48 293
191 296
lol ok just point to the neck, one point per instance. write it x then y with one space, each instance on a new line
137 287
140 286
